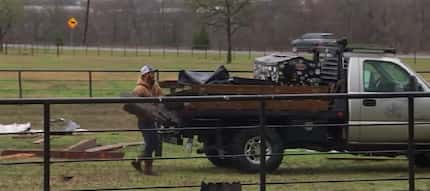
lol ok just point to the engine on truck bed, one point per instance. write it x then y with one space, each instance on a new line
325 68
288 70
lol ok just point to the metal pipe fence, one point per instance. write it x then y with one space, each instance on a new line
411 151
136 50
90 80
205 52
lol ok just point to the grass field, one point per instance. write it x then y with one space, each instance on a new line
111 116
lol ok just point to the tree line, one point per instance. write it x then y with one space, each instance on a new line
256 24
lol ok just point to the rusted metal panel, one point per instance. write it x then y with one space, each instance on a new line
83 145
113 147
17 156
305 105
231 89
255 89
286 105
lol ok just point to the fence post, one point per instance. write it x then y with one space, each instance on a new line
46 147
19 49
32 49
137 50
20 84
58 50
157 76
86 49
177 50
90 83
124 53
411 143
262 146
219 53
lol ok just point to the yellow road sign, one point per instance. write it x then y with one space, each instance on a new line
72 23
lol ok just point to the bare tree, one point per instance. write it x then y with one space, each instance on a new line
403 24
225 14
10 12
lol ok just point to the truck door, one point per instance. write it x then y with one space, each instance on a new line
381 77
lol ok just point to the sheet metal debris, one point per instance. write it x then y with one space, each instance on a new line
14 128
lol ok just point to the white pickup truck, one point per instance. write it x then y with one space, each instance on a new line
333 70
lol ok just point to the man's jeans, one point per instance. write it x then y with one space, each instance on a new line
152 139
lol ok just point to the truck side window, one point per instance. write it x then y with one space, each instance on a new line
382 76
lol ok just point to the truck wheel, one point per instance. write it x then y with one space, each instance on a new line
422 160
248 143
218 161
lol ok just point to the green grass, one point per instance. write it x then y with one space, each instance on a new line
169 61
192 172
111 116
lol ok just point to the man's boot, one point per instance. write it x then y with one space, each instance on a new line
147 169
137 164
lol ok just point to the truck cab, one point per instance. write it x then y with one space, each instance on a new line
379 74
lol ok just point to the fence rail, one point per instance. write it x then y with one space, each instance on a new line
129 50
90 80
227 98
90 73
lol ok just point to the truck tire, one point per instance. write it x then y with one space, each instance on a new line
422 160
218 161
247 143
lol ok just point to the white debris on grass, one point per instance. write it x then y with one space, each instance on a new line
70 125
66 125
15 128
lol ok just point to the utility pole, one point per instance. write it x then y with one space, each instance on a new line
87 15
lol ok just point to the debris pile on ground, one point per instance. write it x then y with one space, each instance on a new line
85 149
14 128
67 154
17 156
56 125
82 145
65 126
112 147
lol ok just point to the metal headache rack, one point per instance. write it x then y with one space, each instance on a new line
331 64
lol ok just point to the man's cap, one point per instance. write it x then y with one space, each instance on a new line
147 69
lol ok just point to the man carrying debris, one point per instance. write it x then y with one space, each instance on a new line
147 87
